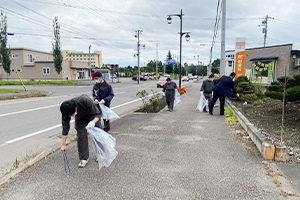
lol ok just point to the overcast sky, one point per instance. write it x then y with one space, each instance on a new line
109 26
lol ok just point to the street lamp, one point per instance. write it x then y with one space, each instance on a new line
187 37
90 64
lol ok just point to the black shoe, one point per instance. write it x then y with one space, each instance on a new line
171 110
204 110
210 113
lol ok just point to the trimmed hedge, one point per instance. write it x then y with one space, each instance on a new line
293 93
274 94
277 88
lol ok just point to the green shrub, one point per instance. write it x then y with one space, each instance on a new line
293 93
259 101
290 82
275 83
250 98
274 94
245 85
277 88
297 79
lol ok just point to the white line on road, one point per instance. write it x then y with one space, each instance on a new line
34 109
57 126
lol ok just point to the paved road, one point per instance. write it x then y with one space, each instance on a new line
180 155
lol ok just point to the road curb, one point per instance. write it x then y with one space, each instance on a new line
31 162
252 131
4 180
258 139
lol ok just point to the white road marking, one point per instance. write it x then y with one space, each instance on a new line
23 111
56 126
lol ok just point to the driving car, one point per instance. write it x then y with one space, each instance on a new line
161 82
184 78
134 78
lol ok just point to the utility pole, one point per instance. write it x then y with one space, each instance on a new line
264 24
90 64
138 32
156 60
222 61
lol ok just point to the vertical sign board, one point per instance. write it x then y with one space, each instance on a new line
240 57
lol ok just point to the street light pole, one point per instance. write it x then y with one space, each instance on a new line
187 37
90 64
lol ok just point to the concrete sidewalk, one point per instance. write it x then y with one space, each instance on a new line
182 154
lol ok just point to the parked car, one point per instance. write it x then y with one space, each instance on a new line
191 77
161 82
151 77
134 78
184 78
196 77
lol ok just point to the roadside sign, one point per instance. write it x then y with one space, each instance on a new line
171 62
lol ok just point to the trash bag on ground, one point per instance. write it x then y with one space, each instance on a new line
202 103
108 113
104 145
177 99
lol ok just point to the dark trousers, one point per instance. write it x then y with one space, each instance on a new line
208 97
83 142
217 96
170 97
106 122
106 125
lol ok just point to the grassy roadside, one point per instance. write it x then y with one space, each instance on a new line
4 90
37 83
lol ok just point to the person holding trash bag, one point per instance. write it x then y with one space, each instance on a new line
169 92
222 90
103 94
206 90
87 115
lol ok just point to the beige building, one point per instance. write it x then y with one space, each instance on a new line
96 57
266 64
37 65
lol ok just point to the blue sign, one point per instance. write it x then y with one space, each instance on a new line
171 62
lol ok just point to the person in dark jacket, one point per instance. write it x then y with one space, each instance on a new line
102 93
169 92
87 116
206 90
222 90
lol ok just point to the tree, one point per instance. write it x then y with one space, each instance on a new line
4 52
169 68
216 63
57 54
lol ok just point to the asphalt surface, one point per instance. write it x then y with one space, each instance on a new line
180 155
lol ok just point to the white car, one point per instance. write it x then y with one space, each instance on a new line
196 77
184 78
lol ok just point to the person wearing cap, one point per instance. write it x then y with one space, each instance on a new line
206 90
222 90
169 92
102 93
87 116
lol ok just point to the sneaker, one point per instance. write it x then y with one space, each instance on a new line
171 110
82 163
210 113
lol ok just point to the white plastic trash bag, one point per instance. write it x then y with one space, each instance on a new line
177 99
202 103
107 113
104 145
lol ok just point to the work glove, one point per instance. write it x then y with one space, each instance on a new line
163 94
90 126
201 92
102 101
96 101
